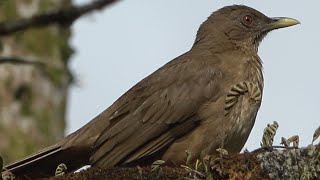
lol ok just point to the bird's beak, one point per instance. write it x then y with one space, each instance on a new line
281 22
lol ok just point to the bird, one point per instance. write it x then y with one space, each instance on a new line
202 100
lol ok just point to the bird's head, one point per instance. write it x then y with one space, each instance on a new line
240 25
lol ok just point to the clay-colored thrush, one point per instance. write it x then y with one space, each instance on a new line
205 99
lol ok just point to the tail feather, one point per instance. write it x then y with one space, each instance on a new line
31 159
44 163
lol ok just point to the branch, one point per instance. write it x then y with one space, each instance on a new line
18 61
64 17
43 67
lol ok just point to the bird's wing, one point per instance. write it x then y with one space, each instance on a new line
162 107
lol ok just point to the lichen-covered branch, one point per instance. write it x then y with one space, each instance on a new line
284 163
65 16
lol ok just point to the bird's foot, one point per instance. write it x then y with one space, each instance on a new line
207 165
189 157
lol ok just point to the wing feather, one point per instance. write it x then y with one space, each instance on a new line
164 108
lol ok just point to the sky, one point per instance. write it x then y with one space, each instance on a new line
119 46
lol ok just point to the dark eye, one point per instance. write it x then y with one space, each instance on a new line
247 20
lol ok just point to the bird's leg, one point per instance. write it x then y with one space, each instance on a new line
194 171
189 157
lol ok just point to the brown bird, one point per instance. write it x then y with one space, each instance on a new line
205 99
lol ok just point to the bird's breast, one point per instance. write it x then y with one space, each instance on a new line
242 103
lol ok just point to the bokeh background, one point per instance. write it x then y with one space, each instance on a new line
117 47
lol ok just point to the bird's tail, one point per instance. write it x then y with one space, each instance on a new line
44 163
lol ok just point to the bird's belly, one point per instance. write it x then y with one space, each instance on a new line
240 122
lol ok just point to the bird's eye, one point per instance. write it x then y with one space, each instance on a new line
247 20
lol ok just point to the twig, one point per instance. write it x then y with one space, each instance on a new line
65 16
193 171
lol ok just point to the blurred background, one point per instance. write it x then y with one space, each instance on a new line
105 53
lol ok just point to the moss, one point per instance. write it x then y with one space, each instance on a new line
55 74
126 173
64 48
45 43
44 6
8 10
39 41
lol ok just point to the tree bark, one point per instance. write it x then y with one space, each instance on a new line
33 95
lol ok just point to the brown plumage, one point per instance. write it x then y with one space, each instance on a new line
199 101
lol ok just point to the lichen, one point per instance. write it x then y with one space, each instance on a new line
291 163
